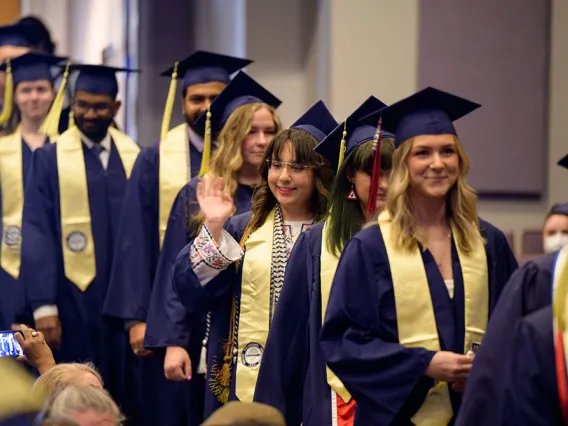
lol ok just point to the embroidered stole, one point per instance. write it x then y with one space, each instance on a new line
328 266
76 233
416 321
559 322
12 184
174 172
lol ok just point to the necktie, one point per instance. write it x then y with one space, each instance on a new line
96 150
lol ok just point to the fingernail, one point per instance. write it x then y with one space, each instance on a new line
188 377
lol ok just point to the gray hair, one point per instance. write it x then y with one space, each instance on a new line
82 399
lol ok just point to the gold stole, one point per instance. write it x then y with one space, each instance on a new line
12 184
76 233
328 266
415 314
174 172
254 317
560 292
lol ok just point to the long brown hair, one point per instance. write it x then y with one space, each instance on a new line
303 145
461 205
227 160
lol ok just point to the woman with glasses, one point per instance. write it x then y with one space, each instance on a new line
412 294
234 268
293 375
29 102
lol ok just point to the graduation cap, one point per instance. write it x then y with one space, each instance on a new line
198 68
206 67
242 90
427 112
559 209
350 134
317 121
98 79
32 67
13 35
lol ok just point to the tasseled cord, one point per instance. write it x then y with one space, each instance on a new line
50 126
372 204
559 328
170 100
202 367
71 122
343 146
206 145
8 95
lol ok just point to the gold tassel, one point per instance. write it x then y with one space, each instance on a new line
206 145
50 126
343 146
166 119
71 122
8 95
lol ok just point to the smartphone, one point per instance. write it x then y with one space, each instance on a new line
9 346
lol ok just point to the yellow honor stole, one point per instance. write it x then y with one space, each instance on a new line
415 314
12 184
174 172
76 233
328 266
560 313
254 318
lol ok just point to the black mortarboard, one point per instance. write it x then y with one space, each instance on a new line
32 67
98 79
427 112
317 121
13 35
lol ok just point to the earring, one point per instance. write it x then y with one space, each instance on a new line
352 195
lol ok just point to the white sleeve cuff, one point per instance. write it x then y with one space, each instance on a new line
208 259
46 311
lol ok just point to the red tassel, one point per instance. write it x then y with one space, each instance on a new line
372 204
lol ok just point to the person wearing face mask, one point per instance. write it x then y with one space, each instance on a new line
413 293
555 230
249 121
528 291
71 212
29 100
234 267
293 376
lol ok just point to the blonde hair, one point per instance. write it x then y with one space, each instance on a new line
461 205
64 375
228 158
82 399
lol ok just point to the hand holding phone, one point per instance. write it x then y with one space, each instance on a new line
9 346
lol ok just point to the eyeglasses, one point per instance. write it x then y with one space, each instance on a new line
278 166
99 108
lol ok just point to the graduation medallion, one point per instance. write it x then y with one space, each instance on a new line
12 236
252 354
76 241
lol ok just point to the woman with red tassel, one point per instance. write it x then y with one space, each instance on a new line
412 294
293 374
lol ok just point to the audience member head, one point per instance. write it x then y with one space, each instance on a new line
72 374
555 230
236 413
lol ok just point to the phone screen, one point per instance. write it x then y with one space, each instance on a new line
9 346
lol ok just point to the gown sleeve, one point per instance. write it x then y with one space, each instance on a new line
531 392
379 374
285 359
40 249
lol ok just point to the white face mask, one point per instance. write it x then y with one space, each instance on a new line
555 242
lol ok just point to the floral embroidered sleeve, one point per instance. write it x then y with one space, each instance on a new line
208 259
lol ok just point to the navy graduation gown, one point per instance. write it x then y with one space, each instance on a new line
216 297
134 267
86 334
12 296
529 289
292 375
167 323
530 388
359 338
